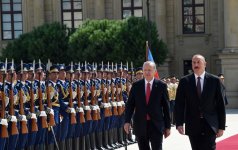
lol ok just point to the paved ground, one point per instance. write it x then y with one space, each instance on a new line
180 142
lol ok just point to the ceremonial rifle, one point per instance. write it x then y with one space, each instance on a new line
4 131
93 100
106 109
81 112
23 128
14 128
43 118
49 105
86 105
71 105
34 126
114 106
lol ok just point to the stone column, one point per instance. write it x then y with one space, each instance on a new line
39 17
228 57
99 6
160 18
231 24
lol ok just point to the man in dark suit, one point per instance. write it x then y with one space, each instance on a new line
199 104
148 100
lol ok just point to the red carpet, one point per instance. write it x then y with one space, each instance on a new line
230 143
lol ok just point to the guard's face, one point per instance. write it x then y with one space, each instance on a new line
148 72
198 64
139 76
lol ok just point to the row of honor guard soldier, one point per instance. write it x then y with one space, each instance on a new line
71 107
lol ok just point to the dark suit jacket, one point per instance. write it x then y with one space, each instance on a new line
157 108
188 106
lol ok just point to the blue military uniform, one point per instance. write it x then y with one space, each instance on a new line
77 142
13 138
53 91
21 86
41 114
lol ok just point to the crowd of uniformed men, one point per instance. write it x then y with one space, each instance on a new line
79 106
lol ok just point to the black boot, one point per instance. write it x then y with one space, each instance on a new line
110 139
92 141
62 145
105 140
99 141
50 146
76 143
120 136
115 138
87 142
68 143
82 143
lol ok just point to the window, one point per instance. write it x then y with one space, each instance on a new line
12 25
72 15
193 16
131 8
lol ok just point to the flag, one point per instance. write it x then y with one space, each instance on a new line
149 57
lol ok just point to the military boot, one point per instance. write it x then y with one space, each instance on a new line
82 143
87 142
99 141
105 140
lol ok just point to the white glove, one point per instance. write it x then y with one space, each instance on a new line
6 101
52 94
74 94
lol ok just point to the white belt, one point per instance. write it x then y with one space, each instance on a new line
3 122
99 99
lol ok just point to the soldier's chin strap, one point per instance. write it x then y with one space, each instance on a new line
53 132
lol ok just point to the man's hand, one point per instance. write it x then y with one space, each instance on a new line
166 133
180 130
219 133
127 127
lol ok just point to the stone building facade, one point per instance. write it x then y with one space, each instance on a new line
207 27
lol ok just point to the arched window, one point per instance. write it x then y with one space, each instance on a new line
193 16
11 19
131 8
72 15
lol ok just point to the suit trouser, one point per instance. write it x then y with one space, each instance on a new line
153 136
204 141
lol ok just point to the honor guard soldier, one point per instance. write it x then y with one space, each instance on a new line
11 94
172 88
87 126
53 107
3 103
77 141
23 107
70 100
139 73
101 95
95 111
64 118
40 104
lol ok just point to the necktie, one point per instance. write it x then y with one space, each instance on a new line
147 93
199 90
